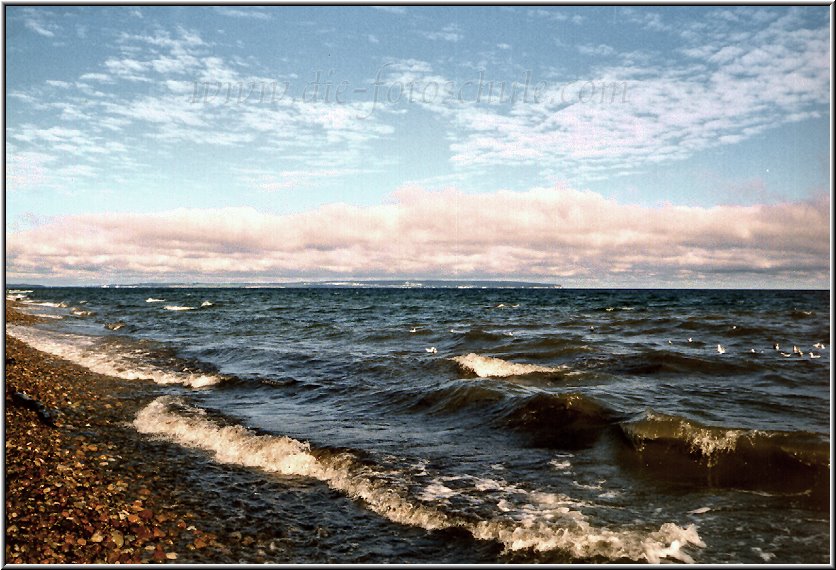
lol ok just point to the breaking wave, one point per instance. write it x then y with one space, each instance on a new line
107 358
178 308
549 525
491 367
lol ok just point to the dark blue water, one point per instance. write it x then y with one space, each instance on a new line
543 425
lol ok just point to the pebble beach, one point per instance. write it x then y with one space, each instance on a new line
82 486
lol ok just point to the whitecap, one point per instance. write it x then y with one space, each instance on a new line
490 367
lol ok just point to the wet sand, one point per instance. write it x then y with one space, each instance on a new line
82 486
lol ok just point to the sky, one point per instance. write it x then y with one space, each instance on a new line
591 146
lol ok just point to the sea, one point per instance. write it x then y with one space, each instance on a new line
479 424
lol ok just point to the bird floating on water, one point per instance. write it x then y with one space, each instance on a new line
720 349
796 350
690 339
818 345
431 350
814 355
776 346
413 330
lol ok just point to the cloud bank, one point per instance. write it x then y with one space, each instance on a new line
549 234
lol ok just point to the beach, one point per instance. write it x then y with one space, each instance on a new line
89 488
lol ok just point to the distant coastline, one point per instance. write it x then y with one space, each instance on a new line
336 284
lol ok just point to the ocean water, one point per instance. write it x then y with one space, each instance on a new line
478 425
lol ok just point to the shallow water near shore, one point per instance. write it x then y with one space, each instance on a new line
483 425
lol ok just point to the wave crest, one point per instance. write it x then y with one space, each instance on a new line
491 367
683 448
568 421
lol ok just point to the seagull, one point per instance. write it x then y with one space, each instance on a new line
753 351
812 355
690 339
670 342
720 349
431 350
818 345
413 330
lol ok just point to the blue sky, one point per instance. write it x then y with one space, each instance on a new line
140 112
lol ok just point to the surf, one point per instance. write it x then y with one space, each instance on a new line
99 356
560 527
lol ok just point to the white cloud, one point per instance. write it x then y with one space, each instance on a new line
76 170
646 19
630 115
40 27
449 33
26 170
96 77
391 9
197 97
600 50
548 233
127 68
247 12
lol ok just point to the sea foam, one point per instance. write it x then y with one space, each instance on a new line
546 522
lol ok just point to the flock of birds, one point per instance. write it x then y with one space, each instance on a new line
720 348
795 350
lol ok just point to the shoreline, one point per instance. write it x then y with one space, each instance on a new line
82 486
